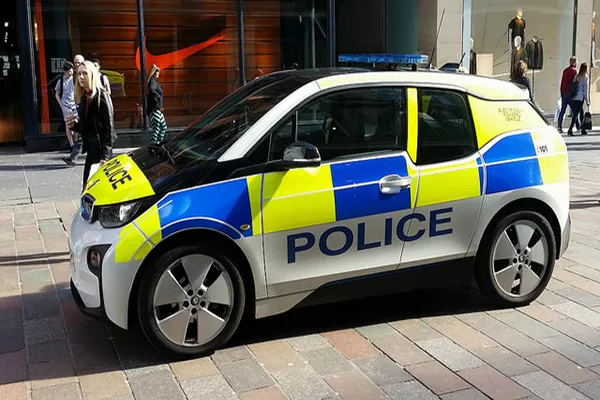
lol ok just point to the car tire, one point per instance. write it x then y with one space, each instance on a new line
494 270
158 277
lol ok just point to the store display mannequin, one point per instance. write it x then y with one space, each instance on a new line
517 55
473 60
535 54
516 28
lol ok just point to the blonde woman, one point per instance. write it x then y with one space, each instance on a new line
580 95
95 121
154 104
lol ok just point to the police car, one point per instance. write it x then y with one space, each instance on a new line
305 187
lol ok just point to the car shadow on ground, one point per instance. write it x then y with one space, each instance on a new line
363 312
52 327
584 204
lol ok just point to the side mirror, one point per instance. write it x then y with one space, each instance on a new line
299 155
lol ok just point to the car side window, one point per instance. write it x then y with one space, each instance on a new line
446 131
346 124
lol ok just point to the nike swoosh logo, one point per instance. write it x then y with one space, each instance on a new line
164 61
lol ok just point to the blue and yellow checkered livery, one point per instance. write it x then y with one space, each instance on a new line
341 191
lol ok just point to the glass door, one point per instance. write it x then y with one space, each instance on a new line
11 129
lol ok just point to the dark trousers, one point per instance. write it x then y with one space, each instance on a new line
76 149
576 107
563 109
93 156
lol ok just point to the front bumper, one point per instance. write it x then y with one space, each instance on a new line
565 237
104 296
97 313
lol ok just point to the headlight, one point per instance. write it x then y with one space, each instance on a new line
117 215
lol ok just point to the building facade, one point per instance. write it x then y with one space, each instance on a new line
208 48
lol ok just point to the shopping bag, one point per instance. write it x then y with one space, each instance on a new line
587 122
557 112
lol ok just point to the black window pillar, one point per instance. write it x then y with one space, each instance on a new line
331 32
241 44
29 104
142 41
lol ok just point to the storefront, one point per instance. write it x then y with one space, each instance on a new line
543 33
205 49
208 48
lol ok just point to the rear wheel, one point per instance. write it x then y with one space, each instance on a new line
191 300
516 259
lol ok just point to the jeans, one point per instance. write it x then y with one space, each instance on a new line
563 109
76 150
576 107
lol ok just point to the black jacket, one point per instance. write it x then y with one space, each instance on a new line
96 124
535 54
155 97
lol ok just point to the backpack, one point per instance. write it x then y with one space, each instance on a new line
61 78
104 78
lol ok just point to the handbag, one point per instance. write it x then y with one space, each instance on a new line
587 121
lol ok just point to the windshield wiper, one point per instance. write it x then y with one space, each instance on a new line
164 150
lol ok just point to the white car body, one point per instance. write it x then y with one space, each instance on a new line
311 229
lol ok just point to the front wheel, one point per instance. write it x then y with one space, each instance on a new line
516 259
191 300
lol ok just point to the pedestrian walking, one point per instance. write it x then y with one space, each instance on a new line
568 75
103 78
154 103
77 61
581 96
64 92
521 78
95 120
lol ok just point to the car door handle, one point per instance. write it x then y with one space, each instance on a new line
392 184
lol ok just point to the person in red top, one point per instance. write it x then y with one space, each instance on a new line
567 79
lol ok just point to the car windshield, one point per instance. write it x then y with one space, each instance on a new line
219 128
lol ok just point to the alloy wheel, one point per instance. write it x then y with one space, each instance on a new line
193 300
520 258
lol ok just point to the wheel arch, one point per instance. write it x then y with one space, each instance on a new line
528 204
190 237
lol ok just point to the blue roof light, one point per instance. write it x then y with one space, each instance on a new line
385 58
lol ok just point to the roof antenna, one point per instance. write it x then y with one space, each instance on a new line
461 59
436 39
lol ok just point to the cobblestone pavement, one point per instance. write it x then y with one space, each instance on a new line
425 345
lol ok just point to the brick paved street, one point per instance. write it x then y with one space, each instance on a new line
427 345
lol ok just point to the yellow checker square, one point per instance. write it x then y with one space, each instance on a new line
144 251
298 198
413 123
446 184
493 118
254 188
414 186
554 168
550 137
130 240
149 223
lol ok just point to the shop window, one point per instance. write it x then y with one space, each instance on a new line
97 29
445 129
284 34
350 123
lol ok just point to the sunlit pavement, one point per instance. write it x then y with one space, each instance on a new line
426 345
